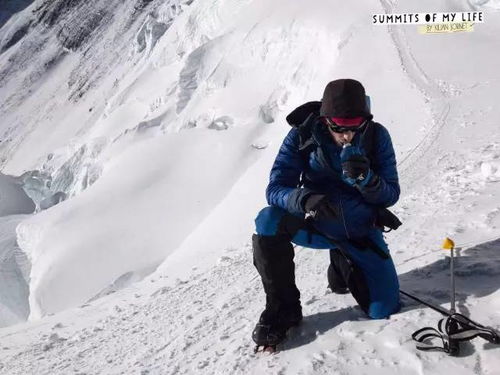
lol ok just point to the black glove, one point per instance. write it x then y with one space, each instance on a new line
320 207
356 167
386 218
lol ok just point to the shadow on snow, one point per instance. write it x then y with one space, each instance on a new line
477 274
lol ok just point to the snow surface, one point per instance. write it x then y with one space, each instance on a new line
155 123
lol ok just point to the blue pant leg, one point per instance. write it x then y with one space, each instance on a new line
381 278
314 241
269 222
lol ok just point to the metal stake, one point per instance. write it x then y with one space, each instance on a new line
448 244
452 276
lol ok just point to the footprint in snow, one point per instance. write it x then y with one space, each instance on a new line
312 300
224 261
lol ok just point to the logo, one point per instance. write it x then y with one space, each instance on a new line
432 23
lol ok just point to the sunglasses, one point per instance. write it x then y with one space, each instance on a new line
342 129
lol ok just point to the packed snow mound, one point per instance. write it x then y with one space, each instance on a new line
135 215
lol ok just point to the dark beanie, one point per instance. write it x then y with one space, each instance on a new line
345 98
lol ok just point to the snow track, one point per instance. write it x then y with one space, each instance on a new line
413 165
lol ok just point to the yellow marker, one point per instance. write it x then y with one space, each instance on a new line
448 244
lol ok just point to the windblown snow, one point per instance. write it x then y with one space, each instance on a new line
136 139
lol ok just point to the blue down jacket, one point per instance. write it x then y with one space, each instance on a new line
323 174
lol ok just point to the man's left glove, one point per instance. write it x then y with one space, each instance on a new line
320 207
355 166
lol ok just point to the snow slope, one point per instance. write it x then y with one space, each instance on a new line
184 148
194 98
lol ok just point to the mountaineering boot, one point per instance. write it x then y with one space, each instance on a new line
273 258
274 324
336 273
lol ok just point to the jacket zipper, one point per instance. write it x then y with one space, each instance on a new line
327 164
343 219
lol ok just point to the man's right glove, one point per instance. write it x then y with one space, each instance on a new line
320 207
355 166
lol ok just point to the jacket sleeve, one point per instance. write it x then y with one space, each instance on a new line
283 190
383 188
